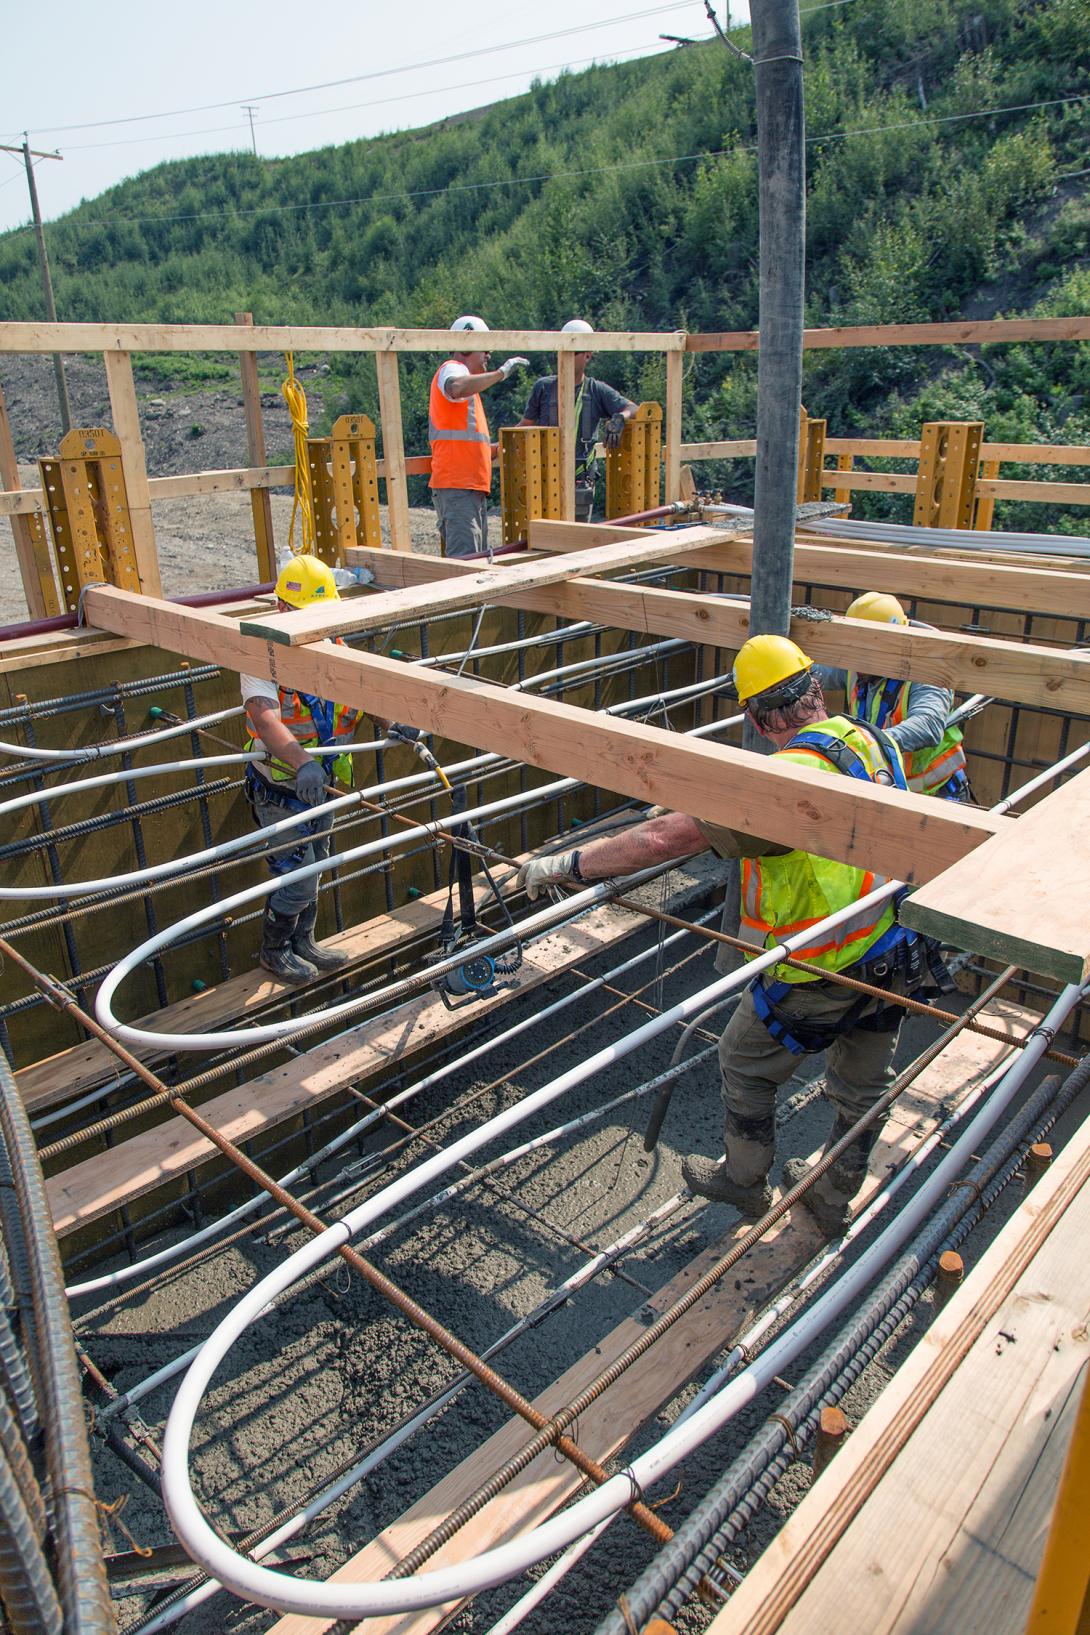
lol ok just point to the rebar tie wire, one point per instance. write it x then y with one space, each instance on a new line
383 1285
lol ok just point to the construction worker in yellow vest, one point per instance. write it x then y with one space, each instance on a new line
914 714
461 443
288 725
786 1012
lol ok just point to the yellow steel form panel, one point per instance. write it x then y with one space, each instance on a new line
946 476
355 483
89 514
634 469
529 477
985 503
1061 1604
326 543
811 457
844 462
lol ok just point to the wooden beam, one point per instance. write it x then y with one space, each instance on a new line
565 419
978 580
908 836
110 1180
878 1542
316 623
609 1424
1024 899
969 332
736 448
300 338
1043 493
264 539
675 380
876 482
31 549
393 449
126 419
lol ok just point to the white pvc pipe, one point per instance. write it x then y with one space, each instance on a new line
118 746
273 1589
338 1600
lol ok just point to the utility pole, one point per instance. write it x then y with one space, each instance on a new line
251 112
29 155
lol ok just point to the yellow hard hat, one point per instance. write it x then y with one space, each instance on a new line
306 579
877 605
765 663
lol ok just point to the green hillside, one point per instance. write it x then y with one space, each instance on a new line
628 194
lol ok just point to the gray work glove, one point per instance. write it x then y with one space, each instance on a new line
541 872
408 735
310 783
613 431
508 367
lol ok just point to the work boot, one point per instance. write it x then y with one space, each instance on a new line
277 955
741 1177
829 1199
303 943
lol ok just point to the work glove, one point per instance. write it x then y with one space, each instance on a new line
408 735
613 431
310 783
508 367
540 872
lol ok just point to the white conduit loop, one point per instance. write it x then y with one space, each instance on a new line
335 1600
118 746
282 1591
174 1251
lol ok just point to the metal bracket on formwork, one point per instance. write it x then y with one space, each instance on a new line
326 543
811 457
946 476
355 483
634 468
88 508
529 477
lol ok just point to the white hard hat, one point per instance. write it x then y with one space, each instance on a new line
468 321
577 326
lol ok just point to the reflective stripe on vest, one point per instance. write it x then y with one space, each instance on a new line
886 705
461 452
784 895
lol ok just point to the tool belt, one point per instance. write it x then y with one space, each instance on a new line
280 794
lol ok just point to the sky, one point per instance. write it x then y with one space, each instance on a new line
151 82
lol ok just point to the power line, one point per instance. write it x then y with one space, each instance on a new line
547 176
380 73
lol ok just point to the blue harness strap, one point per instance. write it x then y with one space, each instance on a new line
846 760
279 795
891 690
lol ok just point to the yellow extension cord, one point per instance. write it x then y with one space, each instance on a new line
303 502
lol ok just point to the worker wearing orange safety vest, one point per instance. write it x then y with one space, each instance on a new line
787 1012
287 725
914 714
461 443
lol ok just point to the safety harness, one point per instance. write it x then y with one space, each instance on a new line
898 954
476 978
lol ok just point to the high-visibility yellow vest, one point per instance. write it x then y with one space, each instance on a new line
312 722
461 444
885 704
786 894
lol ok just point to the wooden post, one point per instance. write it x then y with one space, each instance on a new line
675 365
31 549
831 1431
393 450
255 451
984 509
126 419
948 1281
844 462
565 417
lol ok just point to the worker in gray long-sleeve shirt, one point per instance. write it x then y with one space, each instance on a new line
915 714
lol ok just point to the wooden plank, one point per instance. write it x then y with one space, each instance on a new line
40 337
918 1515
881 448
317 623
675 380
730 450
24 503
31 551
126 419
393 448
877 482
976 580
67 1074
908 836
1044 493
609 1424
109 1180
1024 898
969 332
565 419
264 539
1050 454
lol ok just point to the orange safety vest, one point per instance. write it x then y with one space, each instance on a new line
461 444
312 722
885 704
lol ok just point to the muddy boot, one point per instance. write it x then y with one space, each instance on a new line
741 1177
829 1199
277 955
303 943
